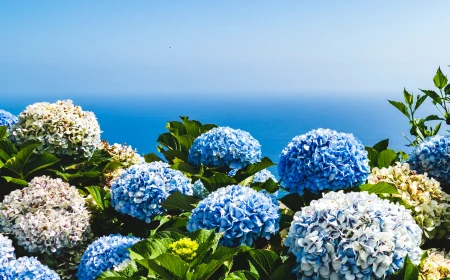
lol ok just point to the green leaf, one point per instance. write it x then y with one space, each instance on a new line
434 118
253 168
4 155
17 163
379 188
173 264
100 196
179 201
3 132
270 186
436 129
112 165
292 201
218 180
447 89
264 261
242 275
386 158
152 247
440 80
171 155
185 167
409 271
208 240
408 97
152 157
284 272
8 147
15 181
420 99
176 128
39 162
372 155
433 95
168 140
401 107
382 145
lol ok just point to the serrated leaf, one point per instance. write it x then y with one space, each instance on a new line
15 181
179 201
401 107
408 97
386 158
447 89
152 157
173 264
208 241
420 100
433 95
39 162
264 261
379 188
17 163
382 145
185 167
440 80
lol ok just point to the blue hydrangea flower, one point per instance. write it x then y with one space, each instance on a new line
323 159
7 119
199 189
6 249
26 268
263 176
103 254
140 189
352 236
225 147
432 156
241 213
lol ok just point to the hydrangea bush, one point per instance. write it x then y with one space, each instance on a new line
7 119
430 206
241 213
49 216
105 253
352 236
26 268
436 265
141 189
225 147
6 249
433 157
61 127
323 159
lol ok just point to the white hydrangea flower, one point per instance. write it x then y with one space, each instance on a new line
61 127
49 216
430 206
436 266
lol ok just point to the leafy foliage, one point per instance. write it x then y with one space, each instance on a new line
380 156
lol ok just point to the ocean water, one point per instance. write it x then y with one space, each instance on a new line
138 120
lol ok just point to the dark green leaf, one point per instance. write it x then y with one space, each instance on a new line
3 132
408 97
242 275
270 186
40 162
100 196
433 95
171 155
381 146
379 188
185 167
434 118
436 129
112 165
447 89
173 264
152 247
152 157
179 201
372 155
420 100
4 156
292 201
409 271
386 158
401 107
176 128
8 147
264 261
17 163
15 181
208 240
284 272
218 180
169 141
440 80
253 168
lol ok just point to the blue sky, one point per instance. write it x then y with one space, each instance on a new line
221 47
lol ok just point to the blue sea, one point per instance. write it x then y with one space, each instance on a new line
138 120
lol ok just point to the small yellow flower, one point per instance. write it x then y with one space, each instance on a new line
185 248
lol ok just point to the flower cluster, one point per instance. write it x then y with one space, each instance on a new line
48 216
6 249
105 253
7 119
432 156
435 266
430 206
61 127
186 248
26 268
141 189
225 147
241 213
124 154
199 189
352 236
323 159
263 176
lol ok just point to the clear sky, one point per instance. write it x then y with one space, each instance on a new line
221 47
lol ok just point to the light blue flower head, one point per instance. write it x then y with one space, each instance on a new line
140 189
6 249
105 253
241 213
7 119
432 156
225 147
199 189
323 159
263 175
352 236
27 269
